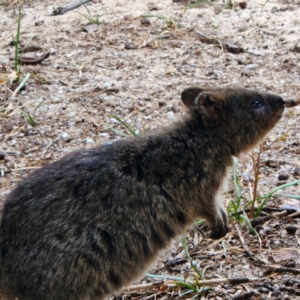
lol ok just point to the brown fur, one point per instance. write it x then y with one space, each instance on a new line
84 226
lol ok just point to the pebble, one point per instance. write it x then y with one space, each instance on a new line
291 229
89 140
283 176
251 66
161 103
170 115
2 155
297 171
65 137
145 21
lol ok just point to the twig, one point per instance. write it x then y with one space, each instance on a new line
296 214
141 286
199 283
242 240
260 220
267 209
256 173
291 102
70 6
21 169
284 269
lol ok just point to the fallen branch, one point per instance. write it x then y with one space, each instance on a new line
70 6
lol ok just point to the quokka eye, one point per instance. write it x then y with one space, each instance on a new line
256 104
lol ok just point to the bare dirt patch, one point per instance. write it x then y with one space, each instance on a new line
136 70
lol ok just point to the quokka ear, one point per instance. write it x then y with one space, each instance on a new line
209 108
189 97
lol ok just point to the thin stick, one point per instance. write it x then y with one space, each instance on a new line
22 169
242 240
72 5
284 269
199 283
256 173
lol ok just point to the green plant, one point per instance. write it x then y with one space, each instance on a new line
171 22
17 65
229 4
31 117
273 191
90 18
125 124
194 288
235 204
17 43
190 6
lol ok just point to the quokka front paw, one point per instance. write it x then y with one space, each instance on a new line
217 233
221 228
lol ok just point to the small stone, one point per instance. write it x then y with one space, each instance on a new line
291 229
2 155
89 140
145 21
170 115
65 137
243 5
297 171
161 103
275 293
283 176
251 66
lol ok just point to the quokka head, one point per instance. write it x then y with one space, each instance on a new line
242 117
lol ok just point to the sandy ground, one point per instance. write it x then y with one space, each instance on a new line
136 71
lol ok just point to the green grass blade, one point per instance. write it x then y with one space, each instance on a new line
274 191
17 41
125 124
201 222
187 286
184 244
247 221
154 16
115 130
23 82
292 197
